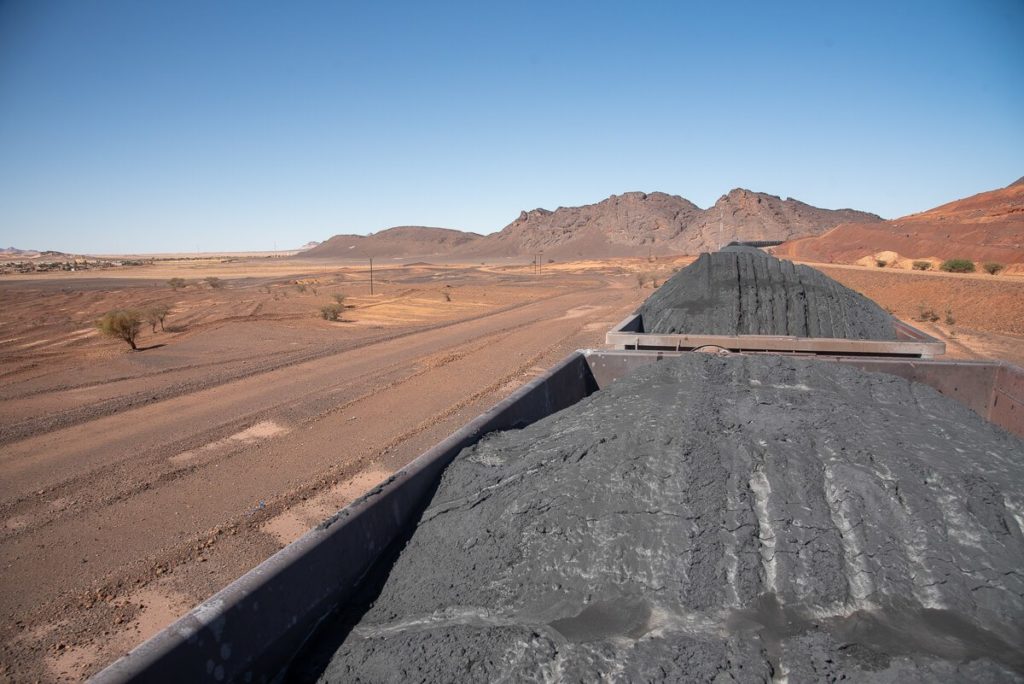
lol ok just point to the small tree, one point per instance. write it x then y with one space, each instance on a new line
157 314
177 283
123 323
331 312
958 266
922 265
214 282
992 267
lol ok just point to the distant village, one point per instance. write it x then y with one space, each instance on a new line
64 262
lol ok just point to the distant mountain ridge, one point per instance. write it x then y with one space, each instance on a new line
630 224
400 241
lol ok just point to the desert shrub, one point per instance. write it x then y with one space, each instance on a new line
447 296
641 278
950 320
301 287
992 267
331 312
922 265
123 323
339 298
957 266
927 314
214 282
156 314
177 283
881 263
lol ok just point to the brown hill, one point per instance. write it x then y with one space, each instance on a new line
985 227
746 215
637 224
631 224
401 241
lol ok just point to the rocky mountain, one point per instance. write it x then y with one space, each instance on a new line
638 224
631 224
745 215
988 226
401 241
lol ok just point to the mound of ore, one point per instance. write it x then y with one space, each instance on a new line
748 292
738 518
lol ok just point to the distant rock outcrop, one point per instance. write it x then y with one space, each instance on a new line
15 252
988 226
630 224
745 215
401 241
638 224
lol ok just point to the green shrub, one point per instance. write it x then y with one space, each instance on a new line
992 267
156 314
331 312
958 266
922 265
123 323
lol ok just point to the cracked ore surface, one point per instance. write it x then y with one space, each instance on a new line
748 292
716 519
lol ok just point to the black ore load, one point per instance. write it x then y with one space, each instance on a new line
748 292
713 519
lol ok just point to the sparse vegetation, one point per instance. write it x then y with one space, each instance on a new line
927 314
331 312
301 287
123 324
447 295
957 266
992 267
641 278
950 320
214 282
339 298
156 314
922 265
177 283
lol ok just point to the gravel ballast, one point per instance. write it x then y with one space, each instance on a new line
748 292
714 519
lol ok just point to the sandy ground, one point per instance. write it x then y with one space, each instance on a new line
135 484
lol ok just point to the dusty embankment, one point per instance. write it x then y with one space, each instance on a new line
712 519
117 521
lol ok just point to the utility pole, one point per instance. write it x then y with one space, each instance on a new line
540 263
371 275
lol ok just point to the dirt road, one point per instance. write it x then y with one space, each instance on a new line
118 519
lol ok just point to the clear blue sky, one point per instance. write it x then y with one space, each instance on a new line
143 126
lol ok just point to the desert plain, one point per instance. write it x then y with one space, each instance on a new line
135 484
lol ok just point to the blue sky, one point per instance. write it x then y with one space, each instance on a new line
165 126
